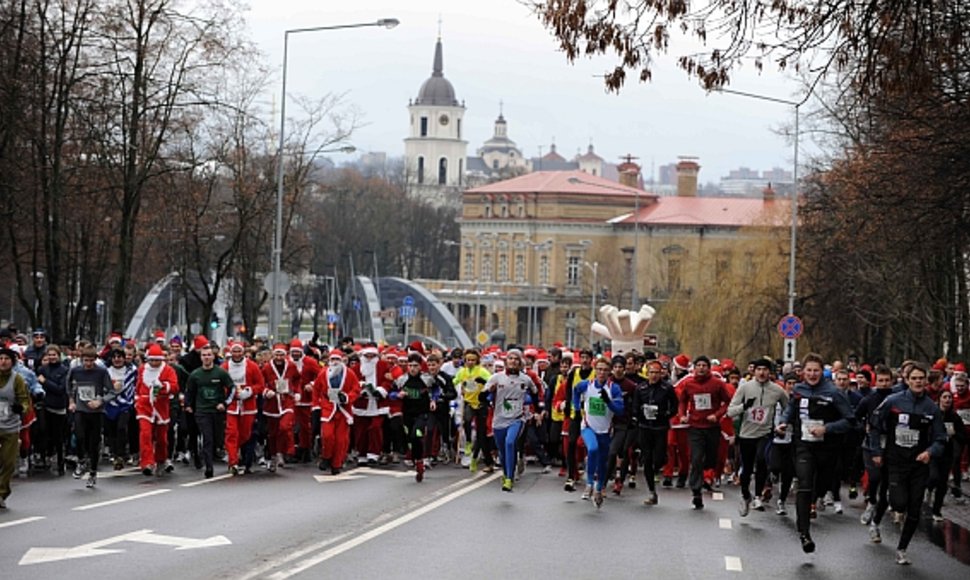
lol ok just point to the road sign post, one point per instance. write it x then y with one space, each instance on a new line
790 327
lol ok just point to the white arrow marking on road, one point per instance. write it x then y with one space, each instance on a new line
92 506
23 521
341 477
42 555
717 496
210 480
372 471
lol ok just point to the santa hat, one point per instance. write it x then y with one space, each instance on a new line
296 344
369 350
200 342
155 352
682 362
160 336
959 368
417 347
940 365
336 354
114 337
728 364
279 348
531 352
236 344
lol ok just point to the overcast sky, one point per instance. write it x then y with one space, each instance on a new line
496 51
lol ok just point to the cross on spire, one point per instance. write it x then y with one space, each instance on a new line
439 25
628 158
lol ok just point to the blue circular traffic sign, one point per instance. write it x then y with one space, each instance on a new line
790 326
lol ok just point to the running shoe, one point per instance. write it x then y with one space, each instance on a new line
488 469
652 500
780 510
562 472
569 486
667 482
698 503
92 480
819 505
866 517
812 513
587 493
631 482
598 499
617 487
119 463
234 470
901 558
838 507
808 545
169 467
78 470
757 505
506 484
148 471
3 504
473 466
874 536
853 492
546 469
937 518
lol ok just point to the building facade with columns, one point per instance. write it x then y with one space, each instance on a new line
531 247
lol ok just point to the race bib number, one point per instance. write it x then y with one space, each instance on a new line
965 415
85 393
333 395
757 415
650 412
511 408
702 402
950 430
282 386
906 437
807 436
597 407
4 409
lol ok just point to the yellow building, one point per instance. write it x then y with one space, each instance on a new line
539 253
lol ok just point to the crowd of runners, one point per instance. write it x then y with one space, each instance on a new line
810 429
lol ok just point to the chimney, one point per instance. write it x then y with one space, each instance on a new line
769 193
629 172
687 169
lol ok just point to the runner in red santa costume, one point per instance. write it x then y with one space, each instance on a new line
281 380
241 410
371 407
309 368
334 393
157 385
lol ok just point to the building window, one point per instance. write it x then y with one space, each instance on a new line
488 210
544 270
505 209
486 267
519 269
420 169
494 164
571 324
442 171
424 126
674 281
458 125
503 268
469 265
461 171
572 271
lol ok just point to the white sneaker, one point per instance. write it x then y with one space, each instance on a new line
829 499
781 508
901 558
587 493
874 536
757 505
838 507
937 518
92 480
744 507
23 466
169 466
866 517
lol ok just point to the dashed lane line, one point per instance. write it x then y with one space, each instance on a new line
92 506
13 523
732 563
205 481
724 523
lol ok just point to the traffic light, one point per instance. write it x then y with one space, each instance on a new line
214 322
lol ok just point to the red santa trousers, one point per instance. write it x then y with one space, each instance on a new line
335 436
279 435
238 429
678 453
152 443
369 434
302 420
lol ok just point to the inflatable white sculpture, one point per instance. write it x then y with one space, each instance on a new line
624 329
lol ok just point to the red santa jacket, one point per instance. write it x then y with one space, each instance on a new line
308 373
251 384
153 398
376 403
348 385
280 403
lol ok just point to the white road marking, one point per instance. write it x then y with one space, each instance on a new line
122 473
371 471
259 572
92 506
341 477
205 481
717 496
732 563
725 523
42 555
367 536
13 523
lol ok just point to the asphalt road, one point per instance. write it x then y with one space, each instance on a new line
303 524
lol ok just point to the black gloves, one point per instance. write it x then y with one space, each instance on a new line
748 403
17 409
38 396
480 381
605 394
342 397
483 397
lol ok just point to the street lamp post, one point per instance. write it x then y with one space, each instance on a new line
592 299
275 312
796 105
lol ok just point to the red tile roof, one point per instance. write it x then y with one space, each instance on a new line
713 211
571 182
